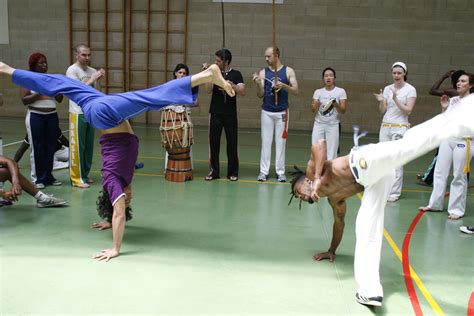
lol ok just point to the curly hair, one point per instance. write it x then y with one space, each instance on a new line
106 210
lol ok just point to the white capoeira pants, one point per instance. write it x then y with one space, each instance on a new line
373 167
453 152
273 123
389 133
329 132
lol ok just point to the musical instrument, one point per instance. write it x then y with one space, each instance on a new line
327 107
176 131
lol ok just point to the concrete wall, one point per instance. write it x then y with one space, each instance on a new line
359 38
34 26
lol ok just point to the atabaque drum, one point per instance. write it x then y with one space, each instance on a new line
177 137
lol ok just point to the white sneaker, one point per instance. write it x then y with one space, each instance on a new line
60 165
39 186
467 229
281 178
262 177
50 201
371 301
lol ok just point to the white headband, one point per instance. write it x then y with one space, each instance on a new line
400 64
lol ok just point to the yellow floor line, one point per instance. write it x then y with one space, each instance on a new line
415 276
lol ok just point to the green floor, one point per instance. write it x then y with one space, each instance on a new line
219 247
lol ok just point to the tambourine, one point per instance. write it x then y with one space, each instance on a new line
327 107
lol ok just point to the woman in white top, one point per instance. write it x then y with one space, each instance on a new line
396 102
328 103
456 151
42 125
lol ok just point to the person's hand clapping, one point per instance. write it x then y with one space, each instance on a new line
379 96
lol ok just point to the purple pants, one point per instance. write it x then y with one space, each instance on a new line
119 155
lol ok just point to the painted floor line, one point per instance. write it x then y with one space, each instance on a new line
414 275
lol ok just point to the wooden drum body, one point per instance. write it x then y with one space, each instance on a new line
177 137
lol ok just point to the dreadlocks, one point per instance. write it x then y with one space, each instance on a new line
297 176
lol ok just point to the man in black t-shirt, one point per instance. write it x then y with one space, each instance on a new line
223 115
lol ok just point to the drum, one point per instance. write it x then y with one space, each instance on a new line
177 137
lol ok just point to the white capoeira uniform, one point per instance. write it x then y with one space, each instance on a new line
327 126
451 151
373 167
394 125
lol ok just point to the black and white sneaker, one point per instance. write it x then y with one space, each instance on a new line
371 301
50 201
262 177
467 229
281 178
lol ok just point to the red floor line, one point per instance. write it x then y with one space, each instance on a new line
406 266
446 194
470 306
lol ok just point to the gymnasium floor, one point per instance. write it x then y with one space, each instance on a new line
220 247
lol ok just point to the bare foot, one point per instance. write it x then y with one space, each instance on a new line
81 185
4 68
218 80
454 217
428 209
392 199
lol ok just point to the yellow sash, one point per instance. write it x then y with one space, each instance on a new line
467 166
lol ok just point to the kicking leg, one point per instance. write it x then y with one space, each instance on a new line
212 75
52 85
5 69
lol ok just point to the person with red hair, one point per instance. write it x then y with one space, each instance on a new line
42 125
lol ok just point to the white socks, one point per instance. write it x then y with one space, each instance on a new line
40 196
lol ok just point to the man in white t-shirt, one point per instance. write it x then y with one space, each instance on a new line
81 133
326 121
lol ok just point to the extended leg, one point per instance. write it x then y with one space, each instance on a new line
369 237
51 85
212 75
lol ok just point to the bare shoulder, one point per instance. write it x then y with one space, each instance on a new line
290 71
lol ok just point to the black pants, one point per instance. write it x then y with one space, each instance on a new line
228 122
